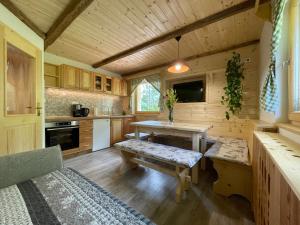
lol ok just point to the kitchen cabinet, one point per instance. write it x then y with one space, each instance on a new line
116 88
85 135
116 130
108 83
51 75
124 89
86 80
98 82
126 126
70 77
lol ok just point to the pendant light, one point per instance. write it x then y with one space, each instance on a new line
179 66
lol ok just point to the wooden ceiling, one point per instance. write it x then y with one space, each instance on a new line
108 27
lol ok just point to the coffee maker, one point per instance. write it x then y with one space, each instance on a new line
76 110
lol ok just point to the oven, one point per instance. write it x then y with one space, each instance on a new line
66 134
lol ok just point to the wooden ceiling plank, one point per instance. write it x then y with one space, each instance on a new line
21 16
71 12
241 7
213 52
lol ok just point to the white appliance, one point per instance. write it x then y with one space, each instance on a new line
101 134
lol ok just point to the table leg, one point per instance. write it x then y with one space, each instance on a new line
137 133
196 147
203 150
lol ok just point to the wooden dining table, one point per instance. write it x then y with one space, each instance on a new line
195 131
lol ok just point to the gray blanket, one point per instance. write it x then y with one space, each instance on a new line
63 197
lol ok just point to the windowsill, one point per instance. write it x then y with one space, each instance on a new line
146 113
294 116
290 127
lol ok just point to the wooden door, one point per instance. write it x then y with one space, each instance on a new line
116 86
86 80
69 77
116 130
98 82
21 94
85 135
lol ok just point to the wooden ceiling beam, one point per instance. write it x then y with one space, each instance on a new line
71 12
213 52
21 16
241 7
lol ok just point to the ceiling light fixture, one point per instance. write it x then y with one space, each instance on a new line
179 66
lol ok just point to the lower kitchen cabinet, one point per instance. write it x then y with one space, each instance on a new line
85 135
126 126
116 130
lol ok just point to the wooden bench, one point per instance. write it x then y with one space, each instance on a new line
167 159
230 158
143 136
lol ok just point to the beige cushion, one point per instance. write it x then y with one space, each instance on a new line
161 152
143 136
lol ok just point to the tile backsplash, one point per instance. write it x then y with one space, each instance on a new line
58 102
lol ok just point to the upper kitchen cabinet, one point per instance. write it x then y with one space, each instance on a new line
116 87
51 75
86 80
98 82
70 77
108 84
124 89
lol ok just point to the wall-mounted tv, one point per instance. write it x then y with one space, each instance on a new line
193 91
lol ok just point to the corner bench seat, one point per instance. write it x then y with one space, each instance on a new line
152 155
161 152
230 158
230 149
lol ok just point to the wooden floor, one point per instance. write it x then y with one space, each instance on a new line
153 193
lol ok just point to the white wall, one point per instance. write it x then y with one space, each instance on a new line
58 60
281 69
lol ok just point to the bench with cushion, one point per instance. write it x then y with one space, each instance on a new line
143 136
155 156
230 157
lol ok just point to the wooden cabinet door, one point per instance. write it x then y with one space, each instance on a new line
69 77
108 84
51 75
116 133
21 94
98 82
124 89
85 135
86 80
127 129
116 86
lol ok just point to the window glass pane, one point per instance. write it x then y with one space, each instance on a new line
147 98
296 67
20 85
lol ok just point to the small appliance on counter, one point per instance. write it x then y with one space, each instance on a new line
79 111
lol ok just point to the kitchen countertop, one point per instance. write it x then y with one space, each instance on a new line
71 118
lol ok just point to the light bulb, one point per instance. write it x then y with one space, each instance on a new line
178 66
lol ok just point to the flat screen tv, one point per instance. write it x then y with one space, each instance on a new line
190 91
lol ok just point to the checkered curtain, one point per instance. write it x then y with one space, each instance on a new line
269 95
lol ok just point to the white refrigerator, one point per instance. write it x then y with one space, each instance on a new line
101 134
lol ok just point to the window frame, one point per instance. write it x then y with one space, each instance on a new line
136 111
294 58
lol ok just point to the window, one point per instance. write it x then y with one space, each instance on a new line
147 98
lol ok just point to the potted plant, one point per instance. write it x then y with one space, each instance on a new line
234 90
171 99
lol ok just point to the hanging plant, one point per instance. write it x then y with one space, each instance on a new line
234 89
